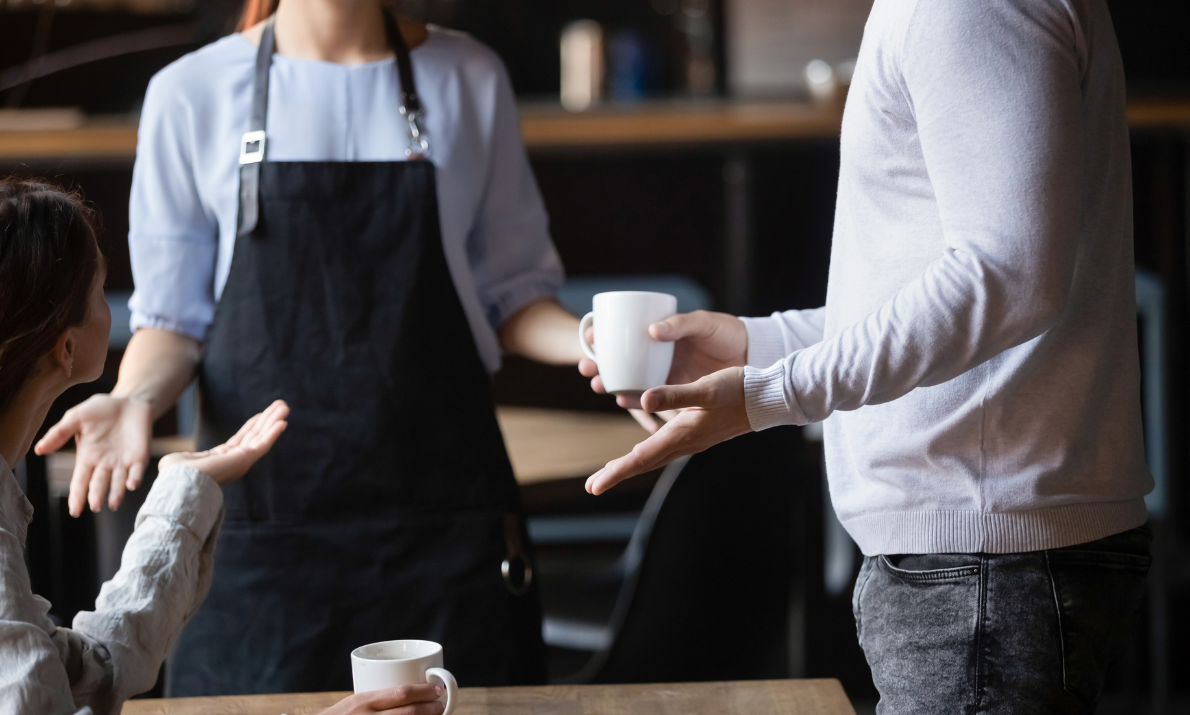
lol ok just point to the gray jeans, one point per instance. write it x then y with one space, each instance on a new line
999 633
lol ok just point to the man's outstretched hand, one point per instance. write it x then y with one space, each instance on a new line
713 411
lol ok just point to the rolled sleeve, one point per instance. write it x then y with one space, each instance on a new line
186 496
164 575
173 237
510 250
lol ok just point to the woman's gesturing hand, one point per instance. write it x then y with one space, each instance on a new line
112 441
404 700
232 459
713 411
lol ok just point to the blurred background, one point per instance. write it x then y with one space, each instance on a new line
673 141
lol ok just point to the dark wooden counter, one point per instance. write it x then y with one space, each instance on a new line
550 128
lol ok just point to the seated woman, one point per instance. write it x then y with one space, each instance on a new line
54 326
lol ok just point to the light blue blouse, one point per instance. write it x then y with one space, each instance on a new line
183 209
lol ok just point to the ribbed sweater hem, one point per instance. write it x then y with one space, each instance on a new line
965 532
765 398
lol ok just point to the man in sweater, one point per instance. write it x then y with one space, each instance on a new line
976 358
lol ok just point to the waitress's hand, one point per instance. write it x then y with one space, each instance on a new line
704 342
232 459
404 700
112 441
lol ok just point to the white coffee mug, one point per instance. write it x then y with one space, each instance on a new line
390 664
629 359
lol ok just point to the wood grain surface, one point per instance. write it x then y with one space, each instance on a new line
753 697
544 445
550 128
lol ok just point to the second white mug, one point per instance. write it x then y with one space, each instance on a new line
629 359
390 664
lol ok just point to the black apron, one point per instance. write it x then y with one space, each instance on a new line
388 509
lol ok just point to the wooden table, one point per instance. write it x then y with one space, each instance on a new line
544 445
753 697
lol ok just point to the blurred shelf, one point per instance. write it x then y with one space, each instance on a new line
98 140
676 122
1159 114
543 445
547 127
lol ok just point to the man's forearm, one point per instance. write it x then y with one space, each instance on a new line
157 367
543 331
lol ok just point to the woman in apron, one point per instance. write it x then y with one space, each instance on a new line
322 215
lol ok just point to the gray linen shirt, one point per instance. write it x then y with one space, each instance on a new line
115 651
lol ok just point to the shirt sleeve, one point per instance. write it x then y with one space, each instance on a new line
173 237
509 248
164 575
32 676
995 92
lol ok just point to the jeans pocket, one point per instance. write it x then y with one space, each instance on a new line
931 568
865 573
1098 595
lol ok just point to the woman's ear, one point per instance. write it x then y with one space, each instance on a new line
62 356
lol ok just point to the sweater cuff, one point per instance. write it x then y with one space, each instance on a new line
765 399
186 496
766 344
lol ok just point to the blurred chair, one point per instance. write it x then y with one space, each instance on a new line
702 591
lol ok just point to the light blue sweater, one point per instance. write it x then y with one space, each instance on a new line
977 355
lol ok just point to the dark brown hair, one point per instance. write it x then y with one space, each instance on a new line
255 11
48 260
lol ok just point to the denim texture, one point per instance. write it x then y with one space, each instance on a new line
999 633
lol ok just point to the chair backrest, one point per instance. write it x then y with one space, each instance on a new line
708 572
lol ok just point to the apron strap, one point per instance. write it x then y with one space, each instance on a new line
419 147
254 142
252 146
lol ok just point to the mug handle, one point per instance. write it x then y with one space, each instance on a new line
582 335
448 682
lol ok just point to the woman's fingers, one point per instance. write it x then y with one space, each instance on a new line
100 478
266 431
245 428
403 695
136 474
59 434
115 495
433 708
264 442
80 483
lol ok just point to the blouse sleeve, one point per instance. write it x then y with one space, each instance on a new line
173 237
510 251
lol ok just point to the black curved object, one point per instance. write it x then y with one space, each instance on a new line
708 572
